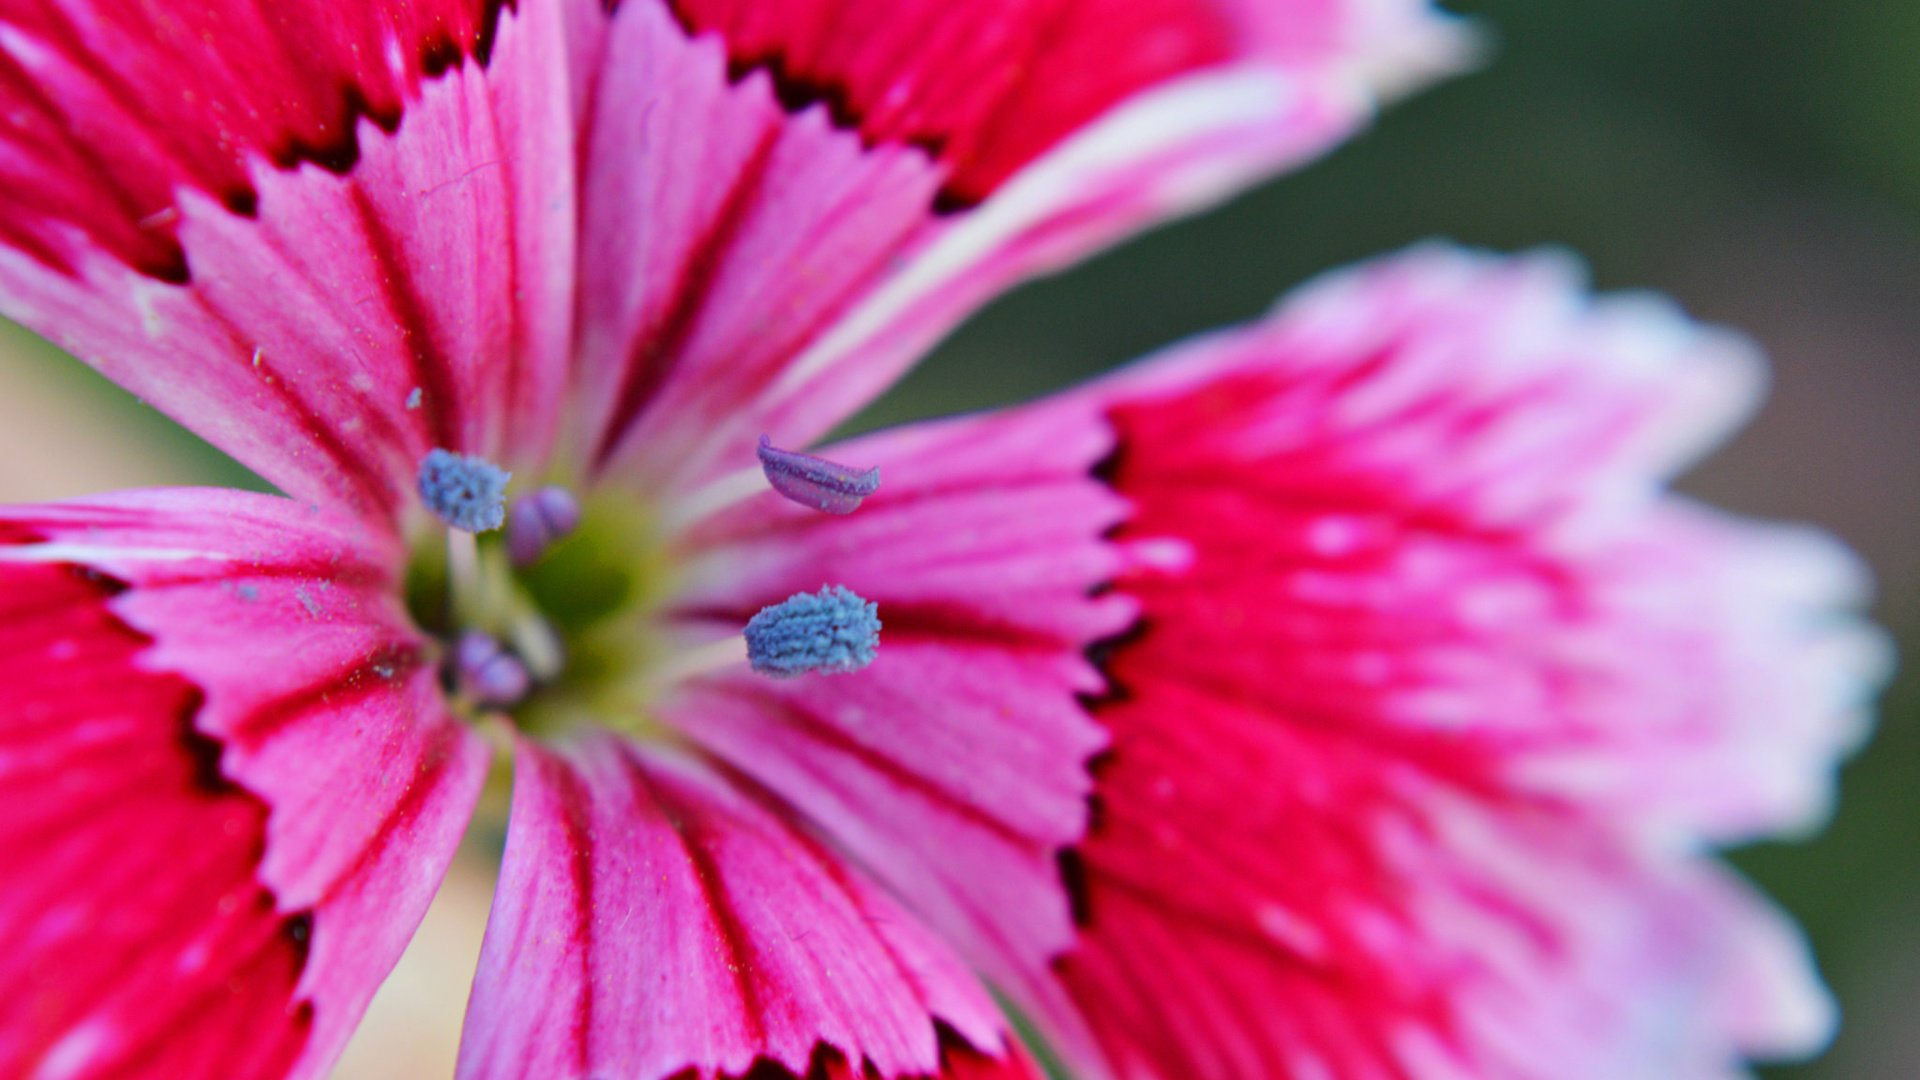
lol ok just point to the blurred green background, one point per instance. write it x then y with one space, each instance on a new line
1759 161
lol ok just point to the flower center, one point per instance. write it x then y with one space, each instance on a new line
551 608
548 620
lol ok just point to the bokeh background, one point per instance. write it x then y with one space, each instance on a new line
1758 161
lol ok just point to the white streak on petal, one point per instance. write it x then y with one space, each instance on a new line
91 554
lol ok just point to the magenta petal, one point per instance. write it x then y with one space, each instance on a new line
417 294
955 766
236 785
135 929
1426 727
655 918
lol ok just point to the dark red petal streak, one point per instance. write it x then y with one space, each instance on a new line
112 105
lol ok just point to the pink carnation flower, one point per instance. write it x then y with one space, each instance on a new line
1338 696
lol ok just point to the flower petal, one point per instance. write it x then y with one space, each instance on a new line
791 259
719 232
114 107
954 766
990 88
656 918
1753 678
320 293
259 253
1414 750
234 786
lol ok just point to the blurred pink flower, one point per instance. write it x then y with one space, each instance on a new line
1338 696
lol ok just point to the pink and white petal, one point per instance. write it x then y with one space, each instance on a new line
330 308
954 767
1556 412
720 232
1618 963
243 785
868 173
1650 630
657 917
1431 719
1754 678
1465 943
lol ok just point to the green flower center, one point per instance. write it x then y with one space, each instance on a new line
582 619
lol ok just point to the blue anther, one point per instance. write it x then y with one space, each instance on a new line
816 482
468 493
490 674
536 522
832 631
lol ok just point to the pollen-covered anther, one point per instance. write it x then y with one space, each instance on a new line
466 492
832 631
816 482
538 521
488 673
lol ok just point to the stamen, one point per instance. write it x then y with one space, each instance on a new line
538 647
697 661
488 673
538 521
468 493
467 591
816 482
832 631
